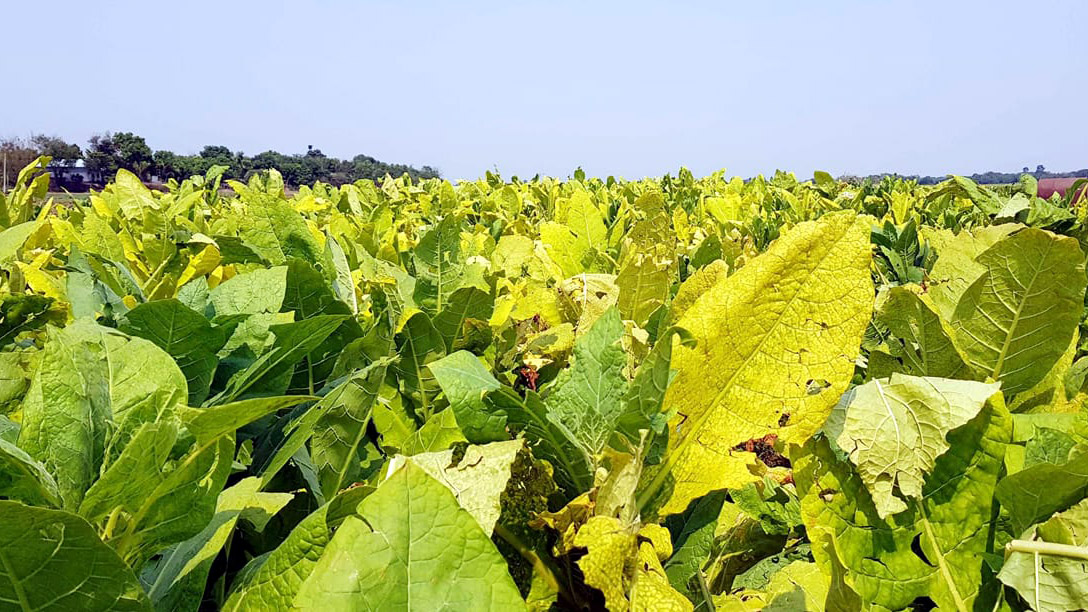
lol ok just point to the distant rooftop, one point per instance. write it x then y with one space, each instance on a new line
1049 186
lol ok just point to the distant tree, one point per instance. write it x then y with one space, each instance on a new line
168 165
1026 170
266 160
107 153
62 152
1040 169
17 153
101 155
217 155
140 168
240 166
216 152
133 152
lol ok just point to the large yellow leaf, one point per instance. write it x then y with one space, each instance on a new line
776 347
200 264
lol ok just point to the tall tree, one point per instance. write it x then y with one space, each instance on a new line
101 155
107 153
62 152
133 152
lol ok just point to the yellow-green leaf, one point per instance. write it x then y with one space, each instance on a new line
1015 321
776 348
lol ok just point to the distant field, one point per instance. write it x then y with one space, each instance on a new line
64 196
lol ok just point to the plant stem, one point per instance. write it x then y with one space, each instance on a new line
111 523
148 284
1047 548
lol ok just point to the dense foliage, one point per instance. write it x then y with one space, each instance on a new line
664 394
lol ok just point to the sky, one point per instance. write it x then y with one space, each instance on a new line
627 89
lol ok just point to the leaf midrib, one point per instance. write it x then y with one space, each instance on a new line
1019 310
20 592
946 574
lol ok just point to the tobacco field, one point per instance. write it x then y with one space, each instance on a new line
667 394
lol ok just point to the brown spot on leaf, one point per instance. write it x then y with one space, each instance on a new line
764 451
527 378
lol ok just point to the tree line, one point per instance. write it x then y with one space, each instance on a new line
982 178
106 153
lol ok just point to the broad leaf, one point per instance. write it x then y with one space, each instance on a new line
550 441
260 291
464 304
13 238
418 345
956 267
183 333
342 283
308 295
94 386
339 444
410 527
53 560
894 429
588 401
934 548
920 339
693 534
271 373
24 313
477 478
179 505
438 265
1047 581
181 574
465 381
277 579
776 348
646 394
24 479
437 434
1016 320
1034 493
276 231
140 468
644 280
207 424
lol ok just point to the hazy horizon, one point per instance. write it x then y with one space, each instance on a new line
627 89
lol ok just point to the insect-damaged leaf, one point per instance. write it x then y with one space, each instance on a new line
775 349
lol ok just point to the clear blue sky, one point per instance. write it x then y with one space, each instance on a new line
625 88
